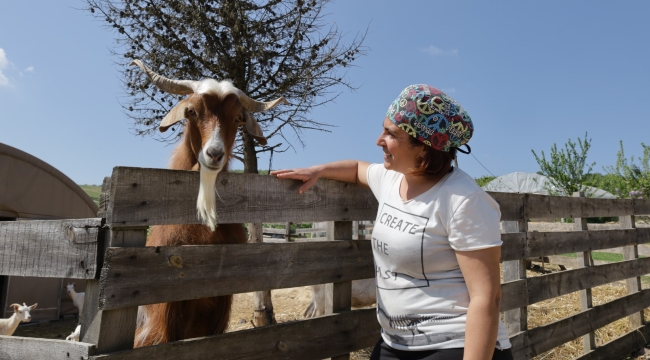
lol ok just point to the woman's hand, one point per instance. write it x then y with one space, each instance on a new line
351 171
308 176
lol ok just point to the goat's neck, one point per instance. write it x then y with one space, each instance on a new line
12 325
73 294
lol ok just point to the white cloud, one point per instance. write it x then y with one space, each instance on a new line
449 90
30 69
436 51
4 62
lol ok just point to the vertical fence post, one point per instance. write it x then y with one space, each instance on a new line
584 259
342 291
516 320
287 232
263 305
631 252
111 330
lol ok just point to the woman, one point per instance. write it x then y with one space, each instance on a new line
436 239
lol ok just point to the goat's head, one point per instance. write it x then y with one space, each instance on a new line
214 111
69 287
22 311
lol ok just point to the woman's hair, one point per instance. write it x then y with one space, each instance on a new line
434 162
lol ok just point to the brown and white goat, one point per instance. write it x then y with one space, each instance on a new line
213 112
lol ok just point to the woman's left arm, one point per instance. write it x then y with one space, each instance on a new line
481 272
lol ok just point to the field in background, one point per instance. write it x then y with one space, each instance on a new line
93 191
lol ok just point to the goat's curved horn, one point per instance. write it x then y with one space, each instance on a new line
257 106
179 87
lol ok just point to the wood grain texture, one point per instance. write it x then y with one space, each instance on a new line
510 204
138 276
553 285
633 284
317 338
625 344
516 319
584 259
550 207
528 344
22 348
135 199
111 330
49 248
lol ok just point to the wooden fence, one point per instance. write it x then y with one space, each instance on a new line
122 273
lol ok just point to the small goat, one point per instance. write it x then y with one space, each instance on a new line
21 314
213 112
75 334
77 298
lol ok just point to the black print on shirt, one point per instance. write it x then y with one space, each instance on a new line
411 322
406 227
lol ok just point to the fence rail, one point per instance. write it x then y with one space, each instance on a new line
133 275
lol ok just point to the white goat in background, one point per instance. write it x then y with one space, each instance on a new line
77 298
21 314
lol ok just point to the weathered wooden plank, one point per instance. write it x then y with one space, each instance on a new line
641 206
514 294
533 342
21 348
510 204
49 248
104 197
138 276
141 197
341 291
553 285
584 259
549 207
514 246
634 284
556 243
620 346
111 330
516 319
317 338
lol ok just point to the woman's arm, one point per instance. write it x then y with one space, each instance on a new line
481 272
352 171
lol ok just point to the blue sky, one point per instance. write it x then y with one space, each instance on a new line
529 73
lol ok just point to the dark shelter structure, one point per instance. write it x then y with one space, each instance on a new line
31 189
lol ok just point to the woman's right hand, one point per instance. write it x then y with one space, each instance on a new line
308 176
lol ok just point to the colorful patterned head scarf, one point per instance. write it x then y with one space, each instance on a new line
432 117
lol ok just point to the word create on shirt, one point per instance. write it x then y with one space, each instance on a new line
394 222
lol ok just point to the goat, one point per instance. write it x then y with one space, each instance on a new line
213 111
21 314
75 334
364 293
77 298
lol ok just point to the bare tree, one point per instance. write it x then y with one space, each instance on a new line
266 48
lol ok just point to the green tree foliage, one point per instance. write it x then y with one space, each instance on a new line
567 169
633 179
484 180
266 48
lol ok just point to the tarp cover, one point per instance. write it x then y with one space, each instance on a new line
529 183
31 188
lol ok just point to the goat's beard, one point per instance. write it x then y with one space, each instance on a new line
206 204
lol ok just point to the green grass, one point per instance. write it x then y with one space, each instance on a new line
93 191
604 256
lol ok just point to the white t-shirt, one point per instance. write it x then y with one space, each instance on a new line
422 297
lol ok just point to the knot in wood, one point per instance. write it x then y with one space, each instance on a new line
282 346
176 261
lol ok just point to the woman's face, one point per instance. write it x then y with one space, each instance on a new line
399 154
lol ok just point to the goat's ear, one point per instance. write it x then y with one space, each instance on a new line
175 115
15 306
33 306
254 128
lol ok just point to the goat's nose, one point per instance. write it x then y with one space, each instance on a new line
215 153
